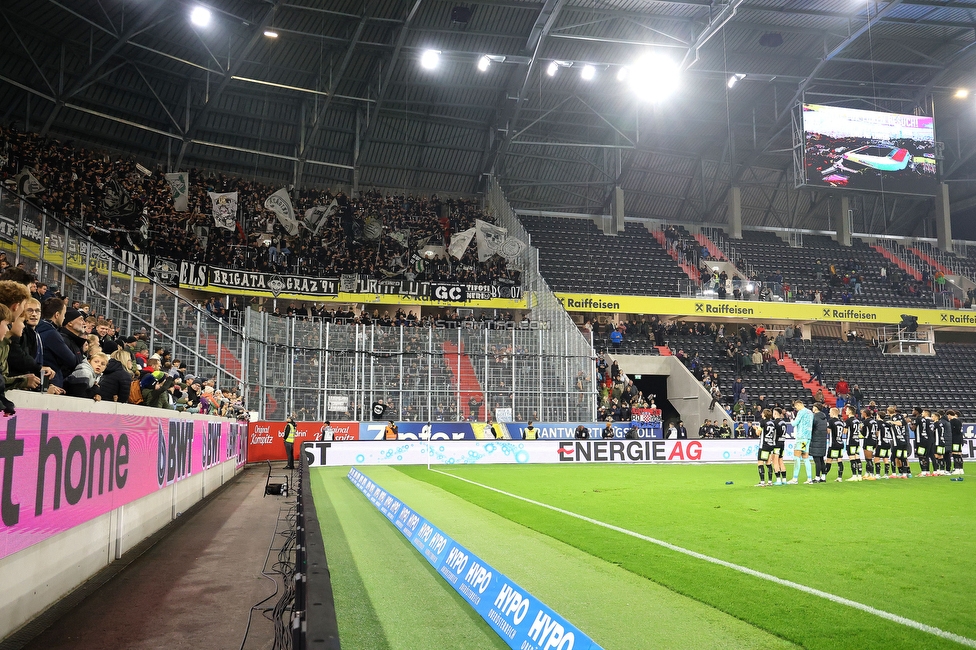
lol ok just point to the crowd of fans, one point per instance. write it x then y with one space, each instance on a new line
116 203
55 346
617 395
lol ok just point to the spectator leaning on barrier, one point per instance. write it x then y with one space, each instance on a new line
83 382
5 404
16 380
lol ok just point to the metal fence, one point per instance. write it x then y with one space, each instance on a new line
323 370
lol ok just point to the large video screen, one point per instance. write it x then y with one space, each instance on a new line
869 150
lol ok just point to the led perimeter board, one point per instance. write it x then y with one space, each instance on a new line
869 151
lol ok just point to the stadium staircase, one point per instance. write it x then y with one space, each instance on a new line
899 262
689 270
931 262
801 375
227 359
663 350
713 250
465 377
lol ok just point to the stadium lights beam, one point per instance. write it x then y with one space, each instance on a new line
734 79
961 93
484 62
588 72
551 70
430 59
270 33
653 77
622 73
200 16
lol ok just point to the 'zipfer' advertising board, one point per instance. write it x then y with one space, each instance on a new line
464 452
514 614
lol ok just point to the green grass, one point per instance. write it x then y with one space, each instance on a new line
617 608
900 546
386 596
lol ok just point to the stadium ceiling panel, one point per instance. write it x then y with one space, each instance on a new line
332 92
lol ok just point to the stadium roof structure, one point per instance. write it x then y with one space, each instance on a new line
330 92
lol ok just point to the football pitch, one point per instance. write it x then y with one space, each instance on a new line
661 556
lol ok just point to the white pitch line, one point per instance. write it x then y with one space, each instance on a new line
922 627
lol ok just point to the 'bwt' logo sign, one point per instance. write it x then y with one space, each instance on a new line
174 452
453 292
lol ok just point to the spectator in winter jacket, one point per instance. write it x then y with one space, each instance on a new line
83 382
57 354
117 378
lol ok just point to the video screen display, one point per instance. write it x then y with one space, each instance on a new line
869 150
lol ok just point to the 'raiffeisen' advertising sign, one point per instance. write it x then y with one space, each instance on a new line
518 617
764 311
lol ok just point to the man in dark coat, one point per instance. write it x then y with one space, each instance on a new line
818 442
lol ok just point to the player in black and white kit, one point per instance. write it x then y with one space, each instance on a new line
780 452
941 435
955 426
885 444
767 444
923 433
900 444
836 432
872 438
854 436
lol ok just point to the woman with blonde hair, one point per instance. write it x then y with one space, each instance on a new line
117 378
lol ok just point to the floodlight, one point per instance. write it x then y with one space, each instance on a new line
734 79
430 59
484 62
622 73
962 93
588 72
653 77
270 33
200 16
551 70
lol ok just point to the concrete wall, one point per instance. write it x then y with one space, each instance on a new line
685 393
38 576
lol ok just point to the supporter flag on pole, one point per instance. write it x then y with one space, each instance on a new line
179 185
460 243
401 237
489 238
316 217
511 248
27 183
224 209
280 204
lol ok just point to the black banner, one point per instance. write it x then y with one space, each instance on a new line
201 275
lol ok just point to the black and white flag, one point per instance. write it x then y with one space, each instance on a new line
280 204
317 217
224 209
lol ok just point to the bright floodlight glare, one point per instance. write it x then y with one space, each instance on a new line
270 33
653 77
200 16
734 79
622 73
588 72
483 63
551 70
430 59
962 93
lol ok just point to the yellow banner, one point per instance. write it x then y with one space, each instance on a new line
761 311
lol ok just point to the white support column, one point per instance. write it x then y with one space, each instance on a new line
844 221
735 212
943 224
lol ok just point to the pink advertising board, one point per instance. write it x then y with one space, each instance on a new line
60 469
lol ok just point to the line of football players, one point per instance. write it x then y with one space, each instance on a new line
876 445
